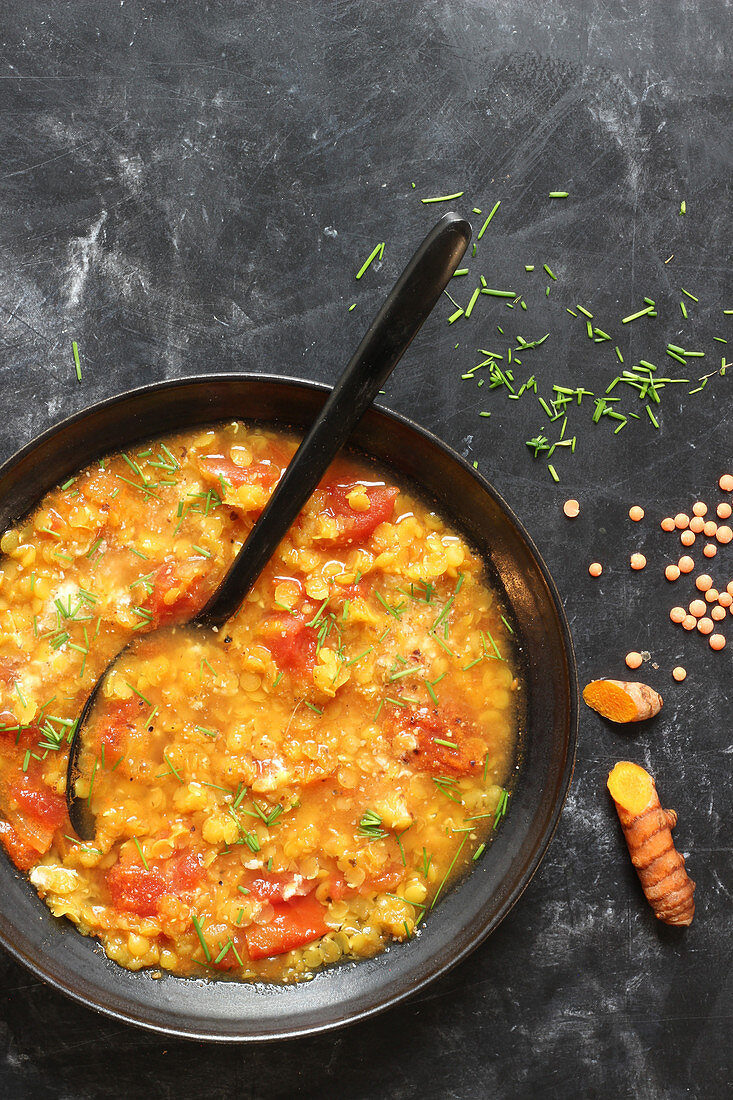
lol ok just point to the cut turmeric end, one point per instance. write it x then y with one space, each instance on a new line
622 700
647 829
630 786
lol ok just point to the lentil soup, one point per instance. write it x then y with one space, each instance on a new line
299 787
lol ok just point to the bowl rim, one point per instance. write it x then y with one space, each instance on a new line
563 783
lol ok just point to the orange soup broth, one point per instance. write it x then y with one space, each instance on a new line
298 787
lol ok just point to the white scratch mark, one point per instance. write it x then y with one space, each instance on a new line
83 251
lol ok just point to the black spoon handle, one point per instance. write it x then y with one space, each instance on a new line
411 300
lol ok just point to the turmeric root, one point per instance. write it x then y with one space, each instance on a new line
647 828
622 700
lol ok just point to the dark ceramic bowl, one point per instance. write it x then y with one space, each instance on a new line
224 1010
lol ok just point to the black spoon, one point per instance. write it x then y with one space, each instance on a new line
390 334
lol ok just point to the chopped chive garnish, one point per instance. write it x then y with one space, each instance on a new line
472 303
370 825
447 786
252 842
635 316
77 363
173 770
692 296
405 672
138 693
136 842
443 198
378 251
501 807
550 273
198 926
498 293
559 194
482 230
395 611
553 472
447 873
223 952
201 550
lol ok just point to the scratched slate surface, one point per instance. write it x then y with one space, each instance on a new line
190 187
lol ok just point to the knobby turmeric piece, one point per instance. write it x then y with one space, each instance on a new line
622 700
647 829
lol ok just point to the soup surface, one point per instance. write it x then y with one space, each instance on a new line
299 787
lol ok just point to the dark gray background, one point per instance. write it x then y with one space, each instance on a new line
191 187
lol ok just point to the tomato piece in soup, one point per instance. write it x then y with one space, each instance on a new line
293 924
136 889
12 734
40 804
22 855
139 889
429 728
178 592
356 527
292 643
388 878
185 871
338 887
257 473
8 672
32 809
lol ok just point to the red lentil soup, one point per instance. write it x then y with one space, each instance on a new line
299 787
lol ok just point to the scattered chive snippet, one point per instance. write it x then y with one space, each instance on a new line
376 253
197 925
483 228
443 198
472 303
634 316
142 854
77 363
